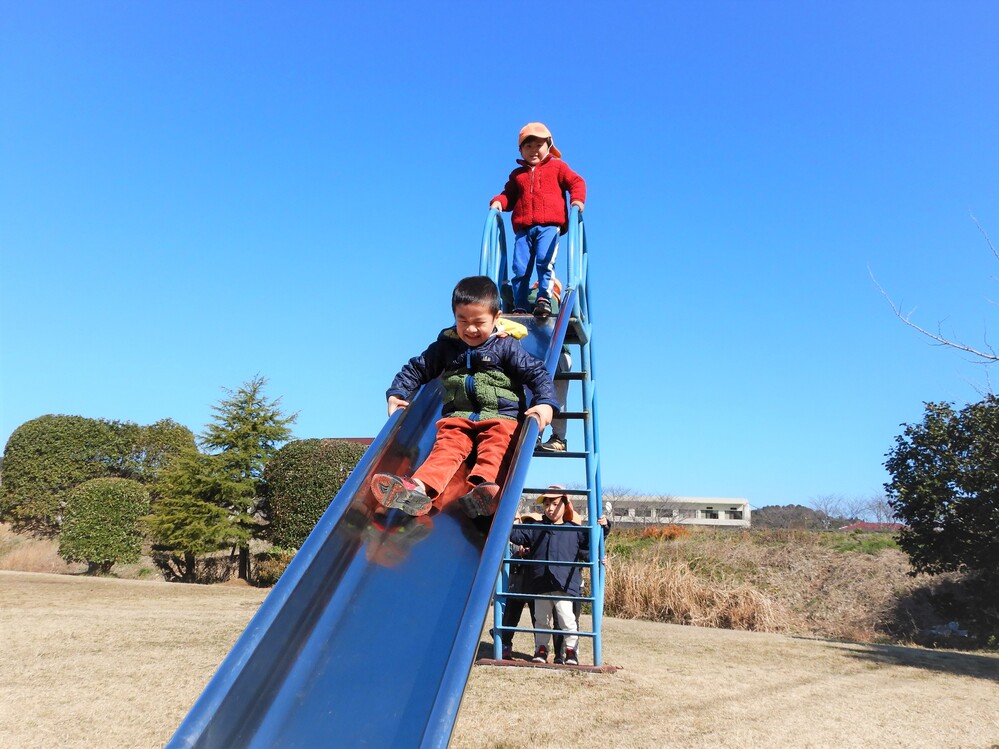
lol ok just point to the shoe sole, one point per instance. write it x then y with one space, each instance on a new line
391 492
546 448
479 503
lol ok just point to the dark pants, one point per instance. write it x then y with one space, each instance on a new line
514 607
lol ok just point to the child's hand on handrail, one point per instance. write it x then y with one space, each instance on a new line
395 403
541 413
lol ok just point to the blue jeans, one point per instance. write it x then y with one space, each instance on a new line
536 245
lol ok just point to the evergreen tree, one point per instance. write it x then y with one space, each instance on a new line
246 431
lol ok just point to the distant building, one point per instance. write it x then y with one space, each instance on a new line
640 511
714 511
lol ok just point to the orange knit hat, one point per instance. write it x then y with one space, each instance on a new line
559 493
537 130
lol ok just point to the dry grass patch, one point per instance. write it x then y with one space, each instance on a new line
24 552
666 590
91 663
32 554
767 582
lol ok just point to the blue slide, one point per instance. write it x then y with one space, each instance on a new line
368 637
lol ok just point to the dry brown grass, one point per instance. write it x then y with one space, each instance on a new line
666 590
776 582
32 554
29 553
91 663
765 581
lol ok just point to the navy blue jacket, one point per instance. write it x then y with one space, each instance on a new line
481 382
544 542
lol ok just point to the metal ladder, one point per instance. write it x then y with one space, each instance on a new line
493 263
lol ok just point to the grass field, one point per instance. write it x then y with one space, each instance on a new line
97 663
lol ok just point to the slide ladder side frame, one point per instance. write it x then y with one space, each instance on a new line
577 300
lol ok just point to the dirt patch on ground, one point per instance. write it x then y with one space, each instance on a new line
101 663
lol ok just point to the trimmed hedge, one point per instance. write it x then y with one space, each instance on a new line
302 480
47 457
101 524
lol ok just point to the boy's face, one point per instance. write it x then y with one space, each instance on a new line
554 508
475 322
534 150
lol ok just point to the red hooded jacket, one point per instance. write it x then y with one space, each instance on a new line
536 195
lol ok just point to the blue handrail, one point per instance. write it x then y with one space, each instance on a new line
492 261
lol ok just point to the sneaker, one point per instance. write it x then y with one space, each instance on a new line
540 655
543 308
400 493
553 445
481 501
507 653
571 659
558 660
519 311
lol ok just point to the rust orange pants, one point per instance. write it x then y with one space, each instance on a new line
456 440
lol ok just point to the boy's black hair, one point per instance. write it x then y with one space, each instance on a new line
546 140
476 290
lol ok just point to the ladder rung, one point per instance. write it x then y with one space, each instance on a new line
546 490
571 375
550 454
573 415
560 597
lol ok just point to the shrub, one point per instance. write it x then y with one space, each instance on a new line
302 480
47 457
665 532
270 565
101 525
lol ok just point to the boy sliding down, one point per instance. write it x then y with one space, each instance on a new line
484 375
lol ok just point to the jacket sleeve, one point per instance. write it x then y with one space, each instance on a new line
583 550
531 372
573 183
583 554
417 372
507 198
520 537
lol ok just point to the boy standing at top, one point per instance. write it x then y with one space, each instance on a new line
483 375
535 192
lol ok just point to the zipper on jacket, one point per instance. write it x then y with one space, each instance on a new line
470 387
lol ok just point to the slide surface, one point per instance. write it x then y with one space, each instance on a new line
368 637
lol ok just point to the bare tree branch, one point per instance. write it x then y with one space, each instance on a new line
986 357
984 234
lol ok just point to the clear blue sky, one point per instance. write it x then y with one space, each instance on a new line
195 193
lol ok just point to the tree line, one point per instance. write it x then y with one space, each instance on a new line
108 490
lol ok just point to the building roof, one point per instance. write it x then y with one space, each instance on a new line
669 500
